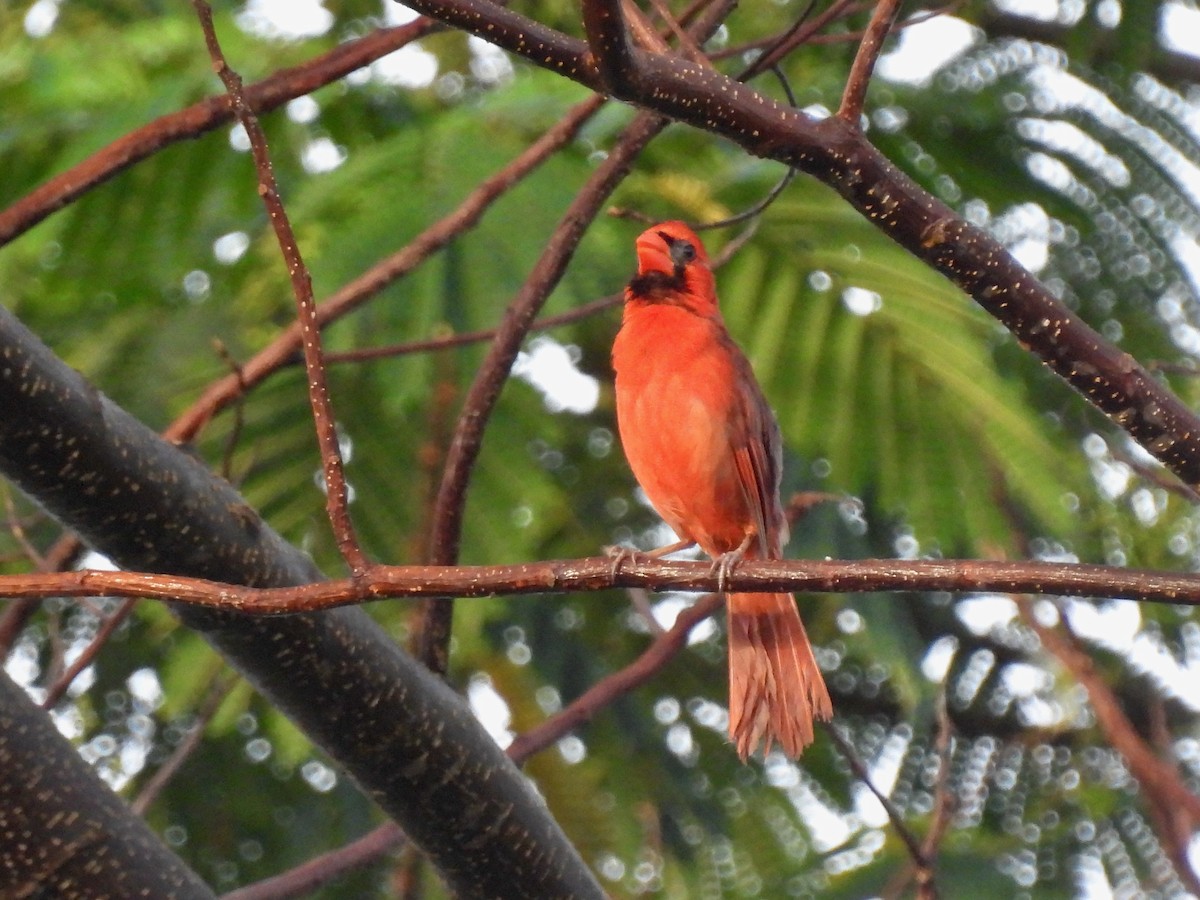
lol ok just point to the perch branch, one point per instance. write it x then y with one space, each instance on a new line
829 576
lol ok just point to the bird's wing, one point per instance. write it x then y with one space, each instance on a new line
758 460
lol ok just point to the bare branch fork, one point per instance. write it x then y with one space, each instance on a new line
836 152
379 582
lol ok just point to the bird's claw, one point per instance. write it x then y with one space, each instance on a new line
723 565
619 555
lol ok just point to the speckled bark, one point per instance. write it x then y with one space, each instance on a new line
406 738
63 833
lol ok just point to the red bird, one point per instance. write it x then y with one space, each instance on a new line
705 447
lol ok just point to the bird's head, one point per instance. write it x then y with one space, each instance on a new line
673 268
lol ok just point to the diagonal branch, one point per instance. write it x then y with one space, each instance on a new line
661 651
198 119
1174 808
864 61
337 494
916 852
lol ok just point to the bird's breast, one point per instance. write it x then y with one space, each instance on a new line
675 390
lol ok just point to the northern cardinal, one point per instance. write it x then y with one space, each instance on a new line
705 447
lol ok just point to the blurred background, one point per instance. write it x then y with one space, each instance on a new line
1071 130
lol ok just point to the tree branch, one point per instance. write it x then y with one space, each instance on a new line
916 853
302 880
336 492
198 119
1174 808
840 156
864 60
814 576
66 834
149 505
88 656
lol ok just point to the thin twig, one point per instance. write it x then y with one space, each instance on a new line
798 34
320 870
662 650
336 491
780 186
217 692
239 409
864 60
17 530
944 802
690 48
18 613
893 814
450 341
841 37
1157 475
88 656
640 598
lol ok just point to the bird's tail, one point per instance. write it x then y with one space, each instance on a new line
775 687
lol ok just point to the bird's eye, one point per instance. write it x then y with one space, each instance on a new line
682 253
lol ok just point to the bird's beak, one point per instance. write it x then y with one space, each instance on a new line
654 254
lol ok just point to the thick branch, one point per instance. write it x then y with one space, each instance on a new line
835 152
411 742
61 828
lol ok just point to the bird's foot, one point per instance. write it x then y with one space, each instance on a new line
620 554
723 565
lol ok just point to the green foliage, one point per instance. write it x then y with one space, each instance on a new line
890 388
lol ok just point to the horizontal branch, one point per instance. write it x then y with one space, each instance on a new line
827 576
